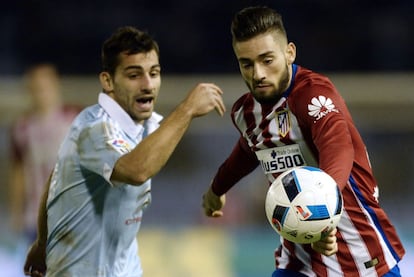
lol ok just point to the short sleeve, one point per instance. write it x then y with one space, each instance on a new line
100 146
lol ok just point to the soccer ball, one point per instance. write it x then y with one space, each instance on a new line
304 204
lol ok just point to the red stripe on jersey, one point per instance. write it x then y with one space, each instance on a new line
344 256
249 117
294 263
316 262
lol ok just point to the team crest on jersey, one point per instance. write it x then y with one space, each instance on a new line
120 145
321 106
283 120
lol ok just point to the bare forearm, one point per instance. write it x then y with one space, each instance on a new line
153 152
240 163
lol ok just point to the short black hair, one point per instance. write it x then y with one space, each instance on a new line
126 39
252 21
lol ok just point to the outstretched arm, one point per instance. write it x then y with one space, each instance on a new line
149 156
241 162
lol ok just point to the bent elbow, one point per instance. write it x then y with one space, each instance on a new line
130 177
139 179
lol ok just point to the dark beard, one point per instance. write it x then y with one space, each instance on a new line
277 93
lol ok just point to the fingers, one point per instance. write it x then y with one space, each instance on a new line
27 268
34 273
35 265
333 232
327 246
218 100
212 204
220 107
30 271
217 214
208 211
213 213
217 88
325 249
204 98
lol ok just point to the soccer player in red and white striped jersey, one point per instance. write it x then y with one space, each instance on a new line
35 137
291 117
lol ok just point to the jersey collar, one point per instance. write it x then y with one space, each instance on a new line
292 81
116 112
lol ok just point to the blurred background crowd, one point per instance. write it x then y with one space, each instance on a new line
365 47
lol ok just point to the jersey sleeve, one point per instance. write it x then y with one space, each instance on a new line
100 148
240 163
323 114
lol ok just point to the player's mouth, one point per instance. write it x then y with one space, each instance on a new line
262 87
145 103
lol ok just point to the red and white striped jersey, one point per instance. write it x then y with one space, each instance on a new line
35 141
311 125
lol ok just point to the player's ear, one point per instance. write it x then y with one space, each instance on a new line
290 53
106 81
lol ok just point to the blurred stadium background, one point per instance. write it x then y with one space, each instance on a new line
365 47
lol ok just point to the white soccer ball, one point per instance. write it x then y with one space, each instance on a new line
304 204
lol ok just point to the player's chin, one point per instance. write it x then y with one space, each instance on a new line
143 115
265 98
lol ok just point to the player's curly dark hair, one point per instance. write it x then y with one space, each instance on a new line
253 21
126 39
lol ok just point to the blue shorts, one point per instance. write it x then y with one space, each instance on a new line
395 272
287 273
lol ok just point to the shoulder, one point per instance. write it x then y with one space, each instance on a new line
309 80
314 96
310 86
89 118
91 113
95 123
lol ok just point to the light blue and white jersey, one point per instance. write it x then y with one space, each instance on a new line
93 222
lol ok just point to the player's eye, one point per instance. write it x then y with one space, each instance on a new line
155 73
246 65
268 61
134 74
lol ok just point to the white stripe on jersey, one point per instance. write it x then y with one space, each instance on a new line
356 245
242 123
332 266
283 260
304 258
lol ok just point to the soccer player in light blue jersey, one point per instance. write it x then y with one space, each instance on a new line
93 203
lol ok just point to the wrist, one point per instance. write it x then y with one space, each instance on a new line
212 193
41 243
185 110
